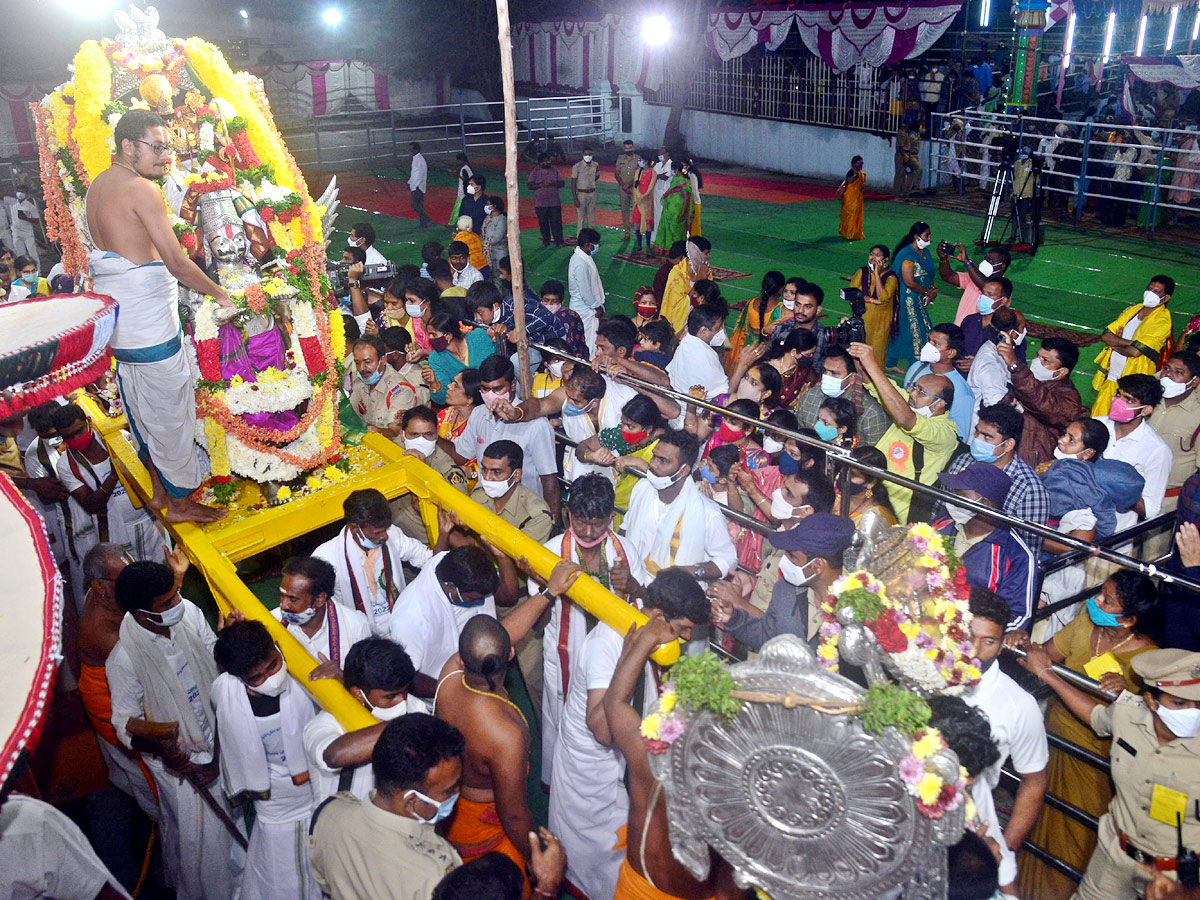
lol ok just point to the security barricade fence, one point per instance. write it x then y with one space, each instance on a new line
379 140
1149 169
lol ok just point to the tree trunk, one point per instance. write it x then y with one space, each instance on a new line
689 49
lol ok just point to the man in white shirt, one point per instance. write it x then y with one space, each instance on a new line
417 182
486 424
588 800
25 218
45 493
363 235
161 672
11 289
462 273
696 362
662 181
670 523
988 377
326 629
378 674
367 556
584 285
1132 440
1018 729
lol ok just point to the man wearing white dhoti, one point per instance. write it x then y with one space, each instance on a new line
137 259
367 557
592 544
588 800
261 714
161 672
670 523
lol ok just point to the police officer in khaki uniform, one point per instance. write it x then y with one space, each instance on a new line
627 172
380 394
420 440
1155 769
500 491
584 175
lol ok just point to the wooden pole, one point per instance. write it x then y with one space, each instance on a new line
513 200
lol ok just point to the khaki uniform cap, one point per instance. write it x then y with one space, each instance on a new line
1175 672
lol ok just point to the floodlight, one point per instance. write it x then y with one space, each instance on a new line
1108 35
985 13
1141 41
1070 42
331 16
243 14
656 30
1171 29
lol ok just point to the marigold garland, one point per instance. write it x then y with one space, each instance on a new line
93 91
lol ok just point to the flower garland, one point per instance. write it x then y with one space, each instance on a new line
928 641
60 221
693 683
923 779
93 91
171 65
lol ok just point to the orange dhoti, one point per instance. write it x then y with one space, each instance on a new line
125 768
632 886
475 829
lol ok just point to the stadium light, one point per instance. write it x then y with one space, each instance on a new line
331 16
656 30
1108 36
985 13
243 14
1069 44
1196 26
1141 41
1171 29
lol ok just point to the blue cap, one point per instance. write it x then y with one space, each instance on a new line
821 534
987 480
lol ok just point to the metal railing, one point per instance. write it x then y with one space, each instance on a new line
380 140
1147 175
802 90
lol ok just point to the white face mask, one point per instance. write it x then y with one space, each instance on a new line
718 338
930 353
1171 387
1058 454
351 241
487 209
1040 372
272 685
747 391
388 713
555 368
662 482
789 304
471 189
792 573
781 510
985 268
923 411
771 445
959 514
422 445
922 243
1150 299
167 618
297 618
1183 723
832 386
587 159
413 309
1020 338
495 489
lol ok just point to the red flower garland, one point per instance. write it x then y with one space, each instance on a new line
208 355
314 354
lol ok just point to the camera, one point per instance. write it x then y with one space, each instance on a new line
945 248
853 330
339 276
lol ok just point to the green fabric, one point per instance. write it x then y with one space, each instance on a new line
671 227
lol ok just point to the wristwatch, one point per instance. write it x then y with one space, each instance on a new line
700 572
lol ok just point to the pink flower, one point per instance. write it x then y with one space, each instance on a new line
919 543
924 641
672 728
933 578
911 769
830 629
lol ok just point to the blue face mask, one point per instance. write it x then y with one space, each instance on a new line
983 451
986 305
1099 616
708 476
594 249
373 378
443 809
570 409
825 432
788 465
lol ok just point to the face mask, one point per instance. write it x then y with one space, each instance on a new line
646 311
1183 723
661 157
30 279
373 378
662 482
80 442
728 434
53 443
1099 616
930 353
771 445
365 542
495 489
589 544
788 464
781 509
443 809
985 304
825 432
633 437
20 195
167 618
471 189
718 339
923 411
487 209
1040 372
983 451
555 368
460 602
387 713
747 391
570 409
922 243
708 476
438 344
985 268
789 304
297 618
490 397
1058 454
1151 299
593 250
422 445
1020 338
855 487
272 685
1122 412
1171 387
832 386
587 159
792 573
413 309
350 241
961 515
641 164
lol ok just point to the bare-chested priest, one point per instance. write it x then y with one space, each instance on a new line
137 259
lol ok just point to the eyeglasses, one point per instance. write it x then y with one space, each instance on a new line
156 148
917 390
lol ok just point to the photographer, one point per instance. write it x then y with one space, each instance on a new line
993 265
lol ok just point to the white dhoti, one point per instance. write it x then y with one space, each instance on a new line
153 372
126 776
591 324
278 862
25 244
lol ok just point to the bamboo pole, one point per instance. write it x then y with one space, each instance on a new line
513 199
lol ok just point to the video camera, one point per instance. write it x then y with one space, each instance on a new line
853 330
377 274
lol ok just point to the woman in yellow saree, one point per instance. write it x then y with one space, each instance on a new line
851 192
1134 343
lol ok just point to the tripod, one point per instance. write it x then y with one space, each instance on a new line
1001 188
1027 234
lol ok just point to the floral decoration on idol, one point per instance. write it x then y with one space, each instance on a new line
917 612
240 207
693 683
